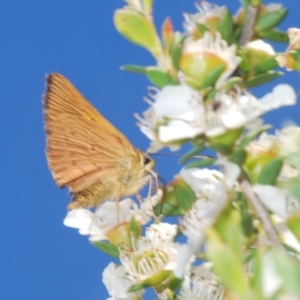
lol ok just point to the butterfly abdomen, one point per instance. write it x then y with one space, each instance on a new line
93 195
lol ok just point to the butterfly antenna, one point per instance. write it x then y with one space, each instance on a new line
180 155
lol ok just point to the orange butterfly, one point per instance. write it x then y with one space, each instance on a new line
86 152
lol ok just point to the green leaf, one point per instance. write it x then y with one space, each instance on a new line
227 262
137 28
261 78
226 27
247 221
185 196
244 64
220 148
289 269
237 32
175 283
292 185
148 6
134 68
201 163
238 156
270 20
160 78
107 248
167 209
293 223
211 95
253 134
134 229
196 150
135 287
296 54
213 76
231 82
275 35
268 64
177 49
202 28
270 172
224 142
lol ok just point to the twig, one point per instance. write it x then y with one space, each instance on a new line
260 211
248 29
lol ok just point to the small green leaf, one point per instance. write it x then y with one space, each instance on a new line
213 76
238 157
261 78
167 209
289 269
137 28
185 196
268 64
231 82
226 27
107 248
247 221
275 35
296 54
237 32
177 49
201 163
175 283
147 4
196 150
251 135
135 287
244 64
270 172
160 78
134 229
202 28
225 260
270 20
192 83
293 223
134 68
220 148
292 185
211 95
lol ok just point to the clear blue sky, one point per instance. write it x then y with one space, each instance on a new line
40 258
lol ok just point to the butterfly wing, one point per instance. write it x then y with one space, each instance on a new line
82 146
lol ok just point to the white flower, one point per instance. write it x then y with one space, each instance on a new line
152 256
212 190
202 285
81 219
110 215
177 113
277 200
209 14
200 57
260 45
117 283
240 109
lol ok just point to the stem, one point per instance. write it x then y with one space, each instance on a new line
260 211
248 30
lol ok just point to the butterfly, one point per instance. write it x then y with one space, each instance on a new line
85 152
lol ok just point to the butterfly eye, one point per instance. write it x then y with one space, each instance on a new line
147 160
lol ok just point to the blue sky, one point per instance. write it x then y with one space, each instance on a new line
41 258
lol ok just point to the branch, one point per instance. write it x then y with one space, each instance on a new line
248 30
260 211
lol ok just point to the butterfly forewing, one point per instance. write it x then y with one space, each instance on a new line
82 146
